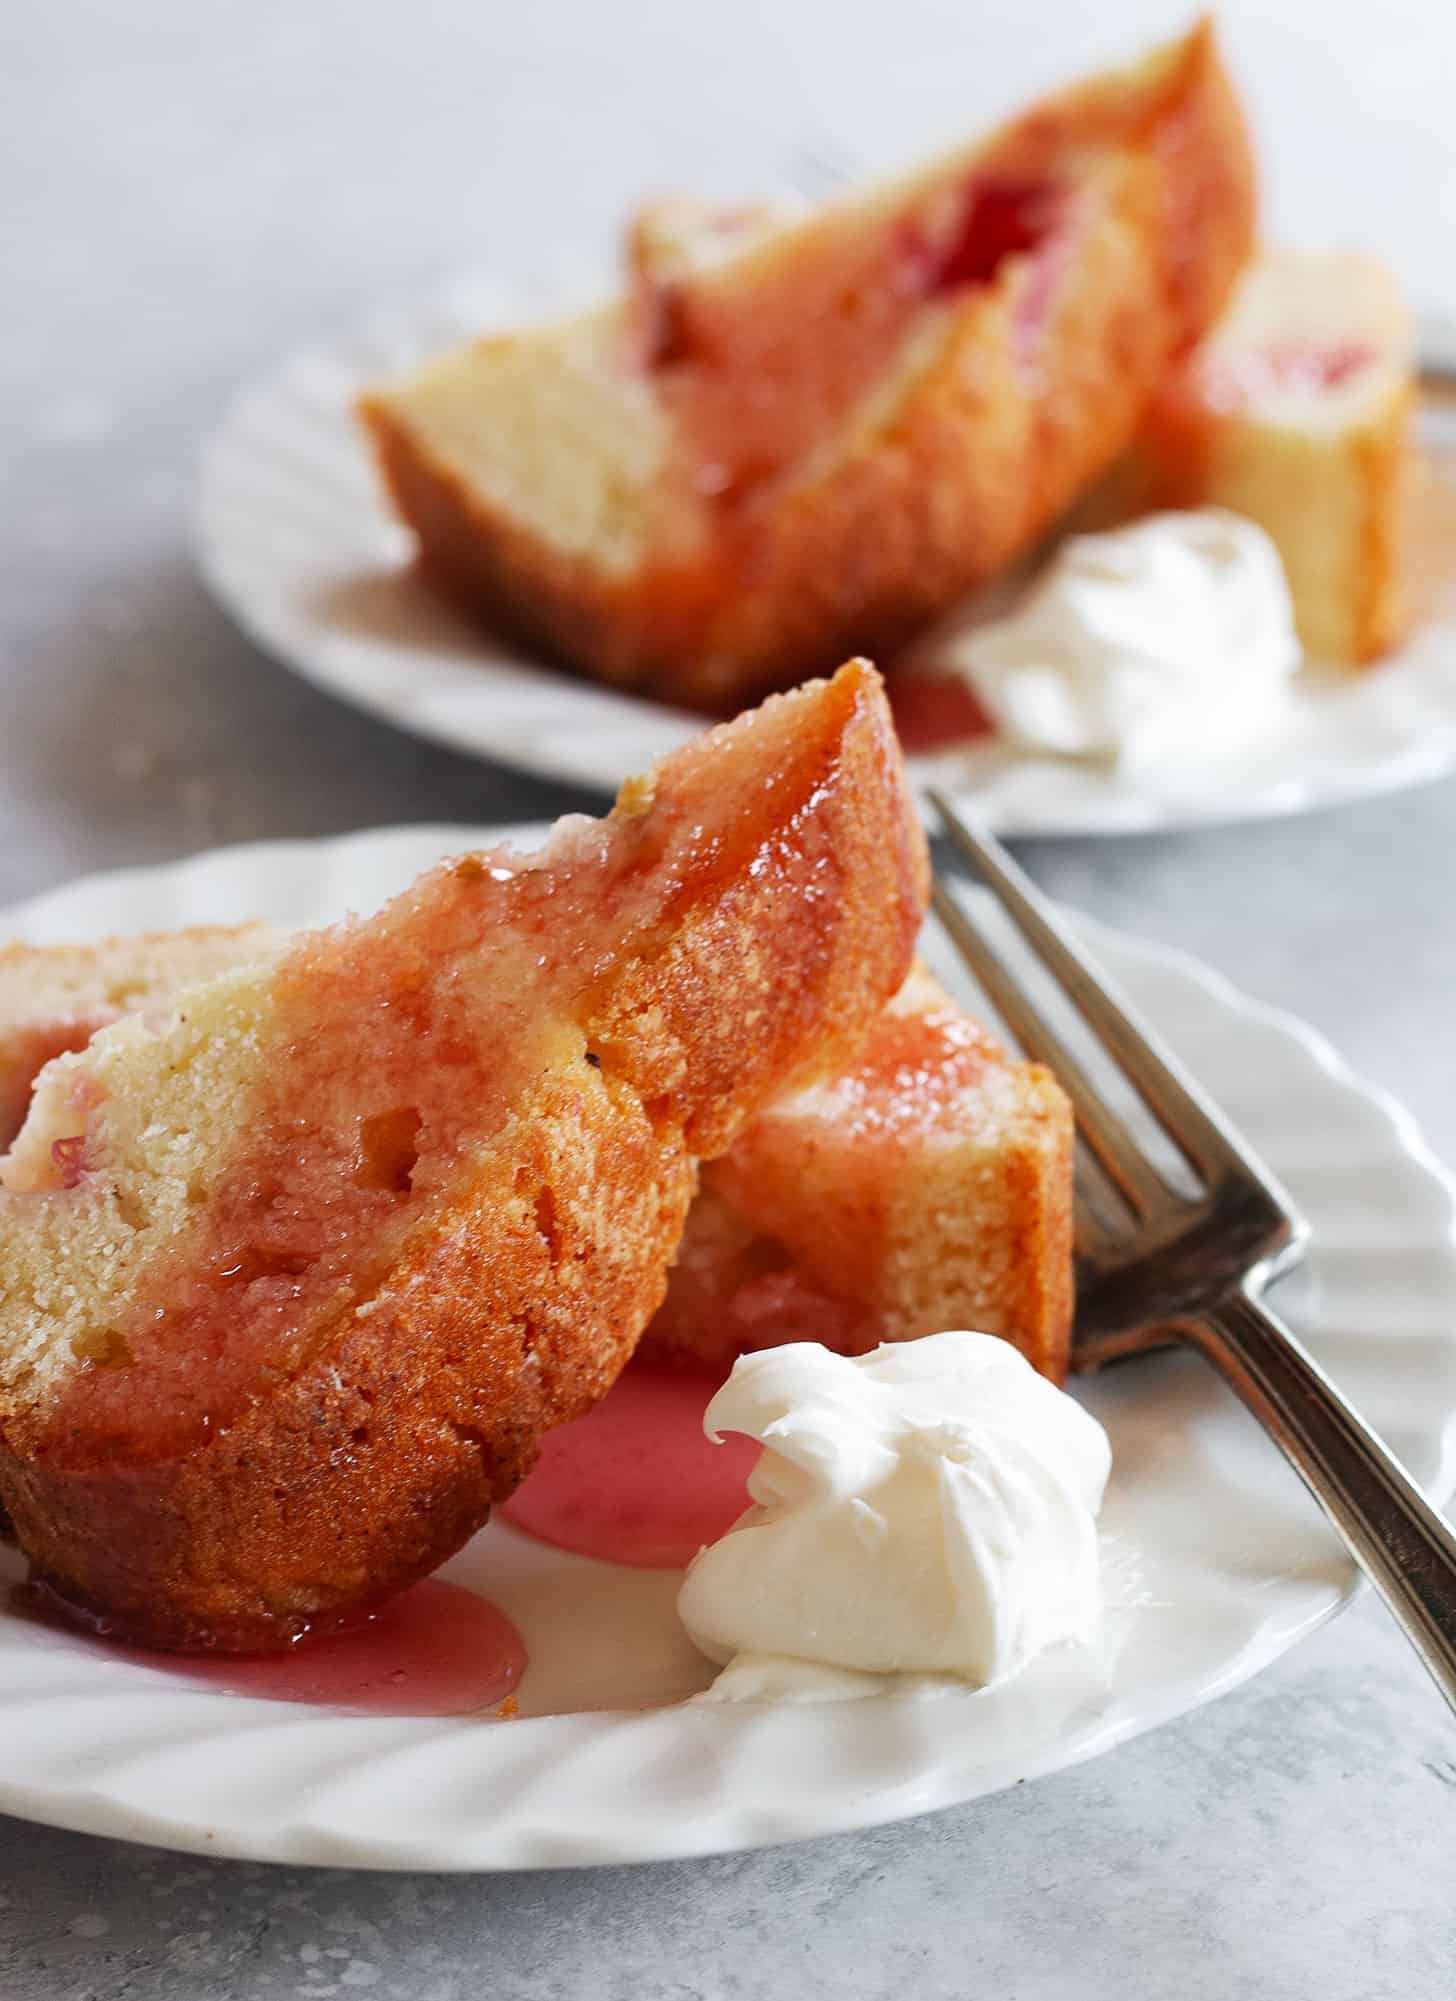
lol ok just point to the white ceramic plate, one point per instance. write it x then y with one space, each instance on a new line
1217 1561
295 537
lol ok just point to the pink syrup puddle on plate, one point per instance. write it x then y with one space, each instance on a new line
933 711
436 1650
635 1481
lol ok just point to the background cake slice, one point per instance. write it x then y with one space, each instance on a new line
293 1277
926 1185
753 462
1297 411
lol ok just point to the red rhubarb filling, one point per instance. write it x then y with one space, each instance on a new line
993 220
25 1055
759 366
1305 367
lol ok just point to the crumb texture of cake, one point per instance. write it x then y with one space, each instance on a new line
790 439
1297 412
926 1185
54 998
296 1270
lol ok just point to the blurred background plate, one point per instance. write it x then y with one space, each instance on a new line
296 539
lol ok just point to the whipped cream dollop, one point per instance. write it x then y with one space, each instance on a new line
927 1509
1170 636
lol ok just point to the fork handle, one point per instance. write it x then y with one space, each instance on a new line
1397 1538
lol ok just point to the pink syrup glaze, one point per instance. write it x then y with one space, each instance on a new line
436 1650
635 1481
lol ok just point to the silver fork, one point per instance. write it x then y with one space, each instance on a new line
1192 1264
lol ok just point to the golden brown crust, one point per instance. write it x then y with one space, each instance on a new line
1384 459
1210 186
382 1456
841 836
517 1298
975 461
1040 1292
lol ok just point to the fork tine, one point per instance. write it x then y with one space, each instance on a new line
1131 1173
1185 1114
1099 1242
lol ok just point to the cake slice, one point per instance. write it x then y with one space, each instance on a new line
54 998
1296 411
294 1277
944 1164
926 1185
678 237
820 437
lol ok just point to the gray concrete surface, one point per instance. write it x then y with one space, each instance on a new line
188 191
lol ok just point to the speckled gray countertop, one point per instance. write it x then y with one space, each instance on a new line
190 190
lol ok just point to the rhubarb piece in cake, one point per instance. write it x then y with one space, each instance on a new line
54 998
1296 411
295 1273
926 1185
771 451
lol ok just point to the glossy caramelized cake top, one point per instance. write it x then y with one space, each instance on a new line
296 1274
